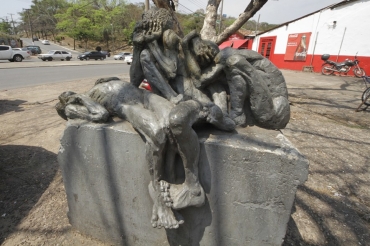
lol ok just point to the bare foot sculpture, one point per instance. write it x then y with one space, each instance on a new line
163 215
179 196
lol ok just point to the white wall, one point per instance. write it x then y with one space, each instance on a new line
352 23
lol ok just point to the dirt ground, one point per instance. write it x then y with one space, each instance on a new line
331 208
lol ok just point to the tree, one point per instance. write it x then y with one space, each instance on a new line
41 16
191 21
5 27
209 25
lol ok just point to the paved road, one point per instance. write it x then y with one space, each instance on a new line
46 48
29 73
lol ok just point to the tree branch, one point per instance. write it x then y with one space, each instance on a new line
249 12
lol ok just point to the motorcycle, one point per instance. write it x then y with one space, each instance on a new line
329 67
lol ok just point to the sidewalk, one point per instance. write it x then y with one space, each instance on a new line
332 207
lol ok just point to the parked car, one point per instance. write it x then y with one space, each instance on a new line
35 39
121 55
34 49
97 55
56 55
128 59
13 55
107 53
45 41
24 49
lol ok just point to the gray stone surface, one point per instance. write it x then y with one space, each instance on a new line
250 178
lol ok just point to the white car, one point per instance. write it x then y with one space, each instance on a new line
56 55
121 55
13 54
45 42
128 59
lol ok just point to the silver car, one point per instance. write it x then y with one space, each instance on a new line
128 59
46 42
121 55
60 55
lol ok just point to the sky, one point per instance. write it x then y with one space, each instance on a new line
273 12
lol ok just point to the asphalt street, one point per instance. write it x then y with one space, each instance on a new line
24 74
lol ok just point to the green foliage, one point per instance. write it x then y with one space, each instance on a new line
127 32
108 21
191 22
99 21
5 27
261 27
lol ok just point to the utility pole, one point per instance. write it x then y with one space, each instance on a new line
257 23
112 38
222 6
146 5
11 16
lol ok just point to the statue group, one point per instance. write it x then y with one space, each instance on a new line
193 83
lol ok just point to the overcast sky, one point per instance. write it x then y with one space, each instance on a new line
273 12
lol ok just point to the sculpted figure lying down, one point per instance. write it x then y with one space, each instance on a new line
158 120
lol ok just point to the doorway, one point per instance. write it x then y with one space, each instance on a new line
267 47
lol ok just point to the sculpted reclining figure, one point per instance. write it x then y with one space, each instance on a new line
159 121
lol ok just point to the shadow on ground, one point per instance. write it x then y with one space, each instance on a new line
333 206
10 106
25 173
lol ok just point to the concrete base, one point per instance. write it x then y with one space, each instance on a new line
250 178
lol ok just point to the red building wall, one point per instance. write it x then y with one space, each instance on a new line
278 60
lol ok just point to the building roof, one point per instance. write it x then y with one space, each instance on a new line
244 32
345 2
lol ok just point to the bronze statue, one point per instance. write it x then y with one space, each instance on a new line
192 81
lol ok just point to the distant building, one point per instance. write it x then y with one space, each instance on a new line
338 30
241 39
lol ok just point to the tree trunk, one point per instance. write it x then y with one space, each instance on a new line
209 26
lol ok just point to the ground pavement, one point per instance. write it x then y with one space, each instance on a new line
331 208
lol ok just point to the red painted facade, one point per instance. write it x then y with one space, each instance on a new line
278 60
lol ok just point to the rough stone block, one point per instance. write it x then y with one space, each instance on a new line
250 178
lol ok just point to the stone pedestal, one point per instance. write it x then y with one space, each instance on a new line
250 178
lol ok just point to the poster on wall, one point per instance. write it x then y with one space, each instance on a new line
297 46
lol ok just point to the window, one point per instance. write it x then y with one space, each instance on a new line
4 47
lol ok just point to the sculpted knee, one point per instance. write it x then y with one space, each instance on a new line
145 56
176 121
